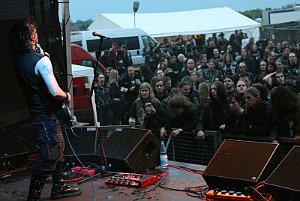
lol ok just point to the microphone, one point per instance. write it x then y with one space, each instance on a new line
99 35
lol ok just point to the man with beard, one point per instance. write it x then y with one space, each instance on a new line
130 88
229 85
103 100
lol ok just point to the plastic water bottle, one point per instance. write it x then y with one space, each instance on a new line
163 156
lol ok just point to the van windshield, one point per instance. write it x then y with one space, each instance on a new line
147 39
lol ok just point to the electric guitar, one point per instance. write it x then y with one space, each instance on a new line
65 114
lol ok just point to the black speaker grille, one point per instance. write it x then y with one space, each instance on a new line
287 174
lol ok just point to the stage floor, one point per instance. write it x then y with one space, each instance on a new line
15 187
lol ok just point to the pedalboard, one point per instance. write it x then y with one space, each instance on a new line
213 195
132 180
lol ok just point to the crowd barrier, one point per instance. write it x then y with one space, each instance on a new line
186 147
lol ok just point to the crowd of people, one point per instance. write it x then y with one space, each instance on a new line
234 86
238 86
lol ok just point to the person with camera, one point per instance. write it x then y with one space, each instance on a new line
155 117
145 109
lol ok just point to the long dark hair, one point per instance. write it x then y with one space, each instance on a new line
284 100
221 93
182 101
20 36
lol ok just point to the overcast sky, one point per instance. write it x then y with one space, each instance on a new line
90 9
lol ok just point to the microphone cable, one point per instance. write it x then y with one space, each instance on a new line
76 156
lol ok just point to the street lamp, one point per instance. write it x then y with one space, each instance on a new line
135 9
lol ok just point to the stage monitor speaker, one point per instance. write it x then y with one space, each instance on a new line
284 182
12 150
132 150
238 164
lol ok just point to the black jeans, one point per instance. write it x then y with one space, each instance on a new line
52 146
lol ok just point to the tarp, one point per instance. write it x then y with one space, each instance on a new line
205 21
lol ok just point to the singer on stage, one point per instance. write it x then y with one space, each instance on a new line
44 96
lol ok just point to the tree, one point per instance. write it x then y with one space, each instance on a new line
80 25
253 14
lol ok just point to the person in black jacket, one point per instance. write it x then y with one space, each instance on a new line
117 104
103 100
181 116
138 109
255 116
130 89
232 121
155 117
213 113
284 122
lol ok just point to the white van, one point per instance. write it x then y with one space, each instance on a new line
134 39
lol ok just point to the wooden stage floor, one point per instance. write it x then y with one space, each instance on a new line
14 187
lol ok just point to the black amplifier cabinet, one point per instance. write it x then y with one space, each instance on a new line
12 150
82 143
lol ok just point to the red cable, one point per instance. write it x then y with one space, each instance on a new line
104 155
12 171
187 169
258 186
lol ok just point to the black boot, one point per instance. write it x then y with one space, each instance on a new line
36 185
59 189
62 190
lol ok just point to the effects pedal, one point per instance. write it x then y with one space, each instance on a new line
83 170
227 195
132 180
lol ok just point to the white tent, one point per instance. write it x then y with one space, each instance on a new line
206 21
84 71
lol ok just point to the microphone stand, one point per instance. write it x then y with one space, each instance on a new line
98 128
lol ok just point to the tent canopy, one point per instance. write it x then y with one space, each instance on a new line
83 71
206 21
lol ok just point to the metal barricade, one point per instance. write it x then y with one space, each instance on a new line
187 148
183 148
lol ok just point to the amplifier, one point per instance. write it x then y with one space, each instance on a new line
133 180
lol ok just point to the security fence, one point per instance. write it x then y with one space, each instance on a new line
183 148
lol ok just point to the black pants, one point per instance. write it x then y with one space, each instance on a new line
52 146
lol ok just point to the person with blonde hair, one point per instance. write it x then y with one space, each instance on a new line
204 93
137 111
117 106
